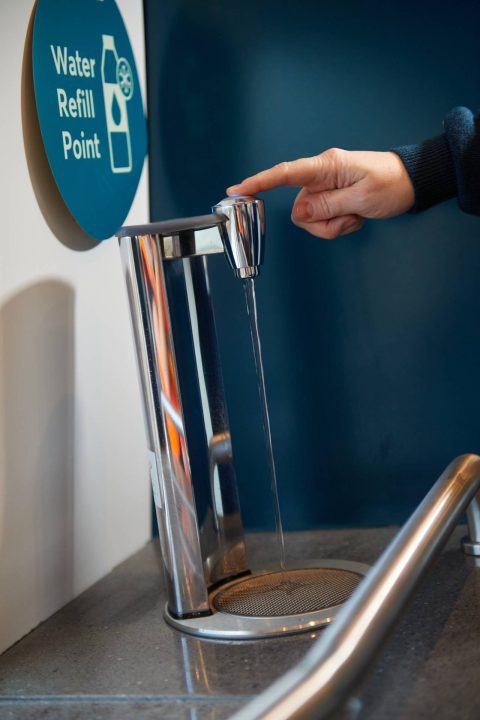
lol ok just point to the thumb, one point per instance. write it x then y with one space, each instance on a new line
312 207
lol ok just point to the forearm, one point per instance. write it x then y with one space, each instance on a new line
447 166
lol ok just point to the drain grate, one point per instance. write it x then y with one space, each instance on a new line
287 592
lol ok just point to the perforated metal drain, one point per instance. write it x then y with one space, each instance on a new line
271 604
288 592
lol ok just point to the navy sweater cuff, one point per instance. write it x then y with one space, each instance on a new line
431 170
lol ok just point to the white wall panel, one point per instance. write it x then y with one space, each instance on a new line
74 489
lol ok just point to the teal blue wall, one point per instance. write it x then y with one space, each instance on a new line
371 342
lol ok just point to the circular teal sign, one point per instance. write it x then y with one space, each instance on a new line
89 108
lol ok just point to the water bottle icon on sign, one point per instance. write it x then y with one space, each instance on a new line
117 83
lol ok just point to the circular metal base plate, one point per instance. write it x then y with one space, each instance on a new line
269 604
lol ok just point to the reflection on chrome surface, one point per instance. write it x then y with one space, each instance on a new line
195 489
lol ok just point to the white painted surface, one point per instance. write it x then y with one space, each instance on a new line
74 482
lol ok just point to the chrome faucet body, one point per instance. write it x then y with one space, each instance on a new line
189 446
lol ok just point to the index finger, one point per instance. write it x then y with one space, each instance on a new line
294 173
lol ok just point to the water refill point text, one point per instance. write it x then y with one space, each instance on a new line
86 148
79 105
75 65
117 90
90 109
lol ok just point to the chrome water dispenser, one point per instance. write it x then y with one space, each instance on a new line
212 592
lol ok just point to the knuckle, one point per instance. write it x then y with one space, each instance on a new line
329 233
353 226
322 209
284 169
334 153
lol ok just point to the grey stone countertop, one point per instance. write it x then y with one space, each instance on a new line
109 655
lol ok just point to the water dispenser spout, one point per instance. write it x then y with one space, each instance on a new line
243 233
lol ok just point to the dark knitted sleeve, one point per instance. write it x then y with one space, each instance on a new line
447 166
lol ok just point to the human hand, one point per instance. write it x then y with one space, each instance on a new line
340 188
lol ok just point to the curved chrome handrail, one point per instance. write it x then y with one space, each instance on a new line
315 687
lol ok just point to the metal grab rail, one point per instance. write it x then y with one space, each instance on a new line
315 687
